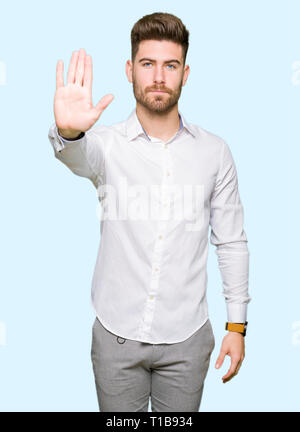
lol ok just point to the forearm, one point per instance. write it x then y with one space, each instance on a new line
84 156
233 261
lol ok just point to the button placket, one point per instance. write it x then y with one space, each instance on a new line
165 201
167 180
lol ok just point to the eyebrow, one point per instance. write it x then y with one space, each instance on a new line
154 61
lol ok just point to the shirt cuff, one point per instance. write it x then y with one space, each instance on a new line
81 135
60 142
236 313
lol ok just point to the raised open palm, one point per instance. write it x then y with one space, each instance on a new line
73 106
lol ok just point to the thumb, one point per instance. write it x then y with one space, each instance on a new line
103 103
220 360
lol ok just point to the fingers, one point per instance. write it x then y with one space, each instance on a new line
88 73
80 67
103 103
59 74
72 68
234 367
238 367
220 359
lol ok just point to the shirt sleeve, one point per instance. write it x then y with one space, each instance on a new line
83 156
229 237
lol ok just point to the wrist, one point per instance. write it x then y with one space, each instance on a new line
69 134
230 332
237 327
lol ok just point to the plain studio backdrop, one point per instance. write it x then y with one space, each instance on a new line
244 86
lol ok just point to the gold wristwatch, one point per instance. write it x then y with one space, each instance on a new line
237 327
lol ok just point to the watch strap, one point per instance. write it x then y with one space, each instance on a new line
237 327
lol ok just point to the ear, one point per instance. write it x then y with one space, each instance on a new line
128 70
185 74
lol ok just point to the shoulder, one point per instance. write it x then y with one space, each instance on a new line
208 138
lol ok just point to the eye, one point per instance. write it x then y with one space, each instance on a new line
172 66
146 63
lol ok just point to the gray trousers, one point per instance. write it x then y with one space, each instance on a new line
128 372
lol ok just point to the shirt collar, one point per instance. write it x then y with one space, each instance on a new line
134 127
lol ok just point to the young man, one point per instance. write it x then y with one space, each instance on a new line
152 335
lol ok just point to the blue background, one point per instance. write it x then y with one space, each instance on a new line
242 87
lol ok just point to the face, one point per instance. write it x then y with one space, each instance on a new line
157 75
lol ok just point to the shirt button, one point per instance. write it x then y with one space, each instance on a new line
168 173
151 297
166 146
156 268
160 236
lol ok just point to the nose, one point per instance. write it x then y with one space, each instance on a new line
159 76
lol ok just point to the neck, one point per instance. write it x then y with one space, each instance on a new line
159 125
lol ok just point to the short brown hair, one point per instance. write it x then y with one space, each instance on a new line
159 26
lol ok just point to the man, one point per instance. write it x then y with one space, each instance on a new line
152 335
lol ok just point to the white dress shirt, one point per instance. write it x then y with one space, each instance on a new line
158 199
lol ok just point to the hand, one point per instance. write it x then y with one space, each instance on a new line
234 345
73 107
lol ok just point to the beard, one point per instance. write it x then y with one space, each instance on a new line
155 102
